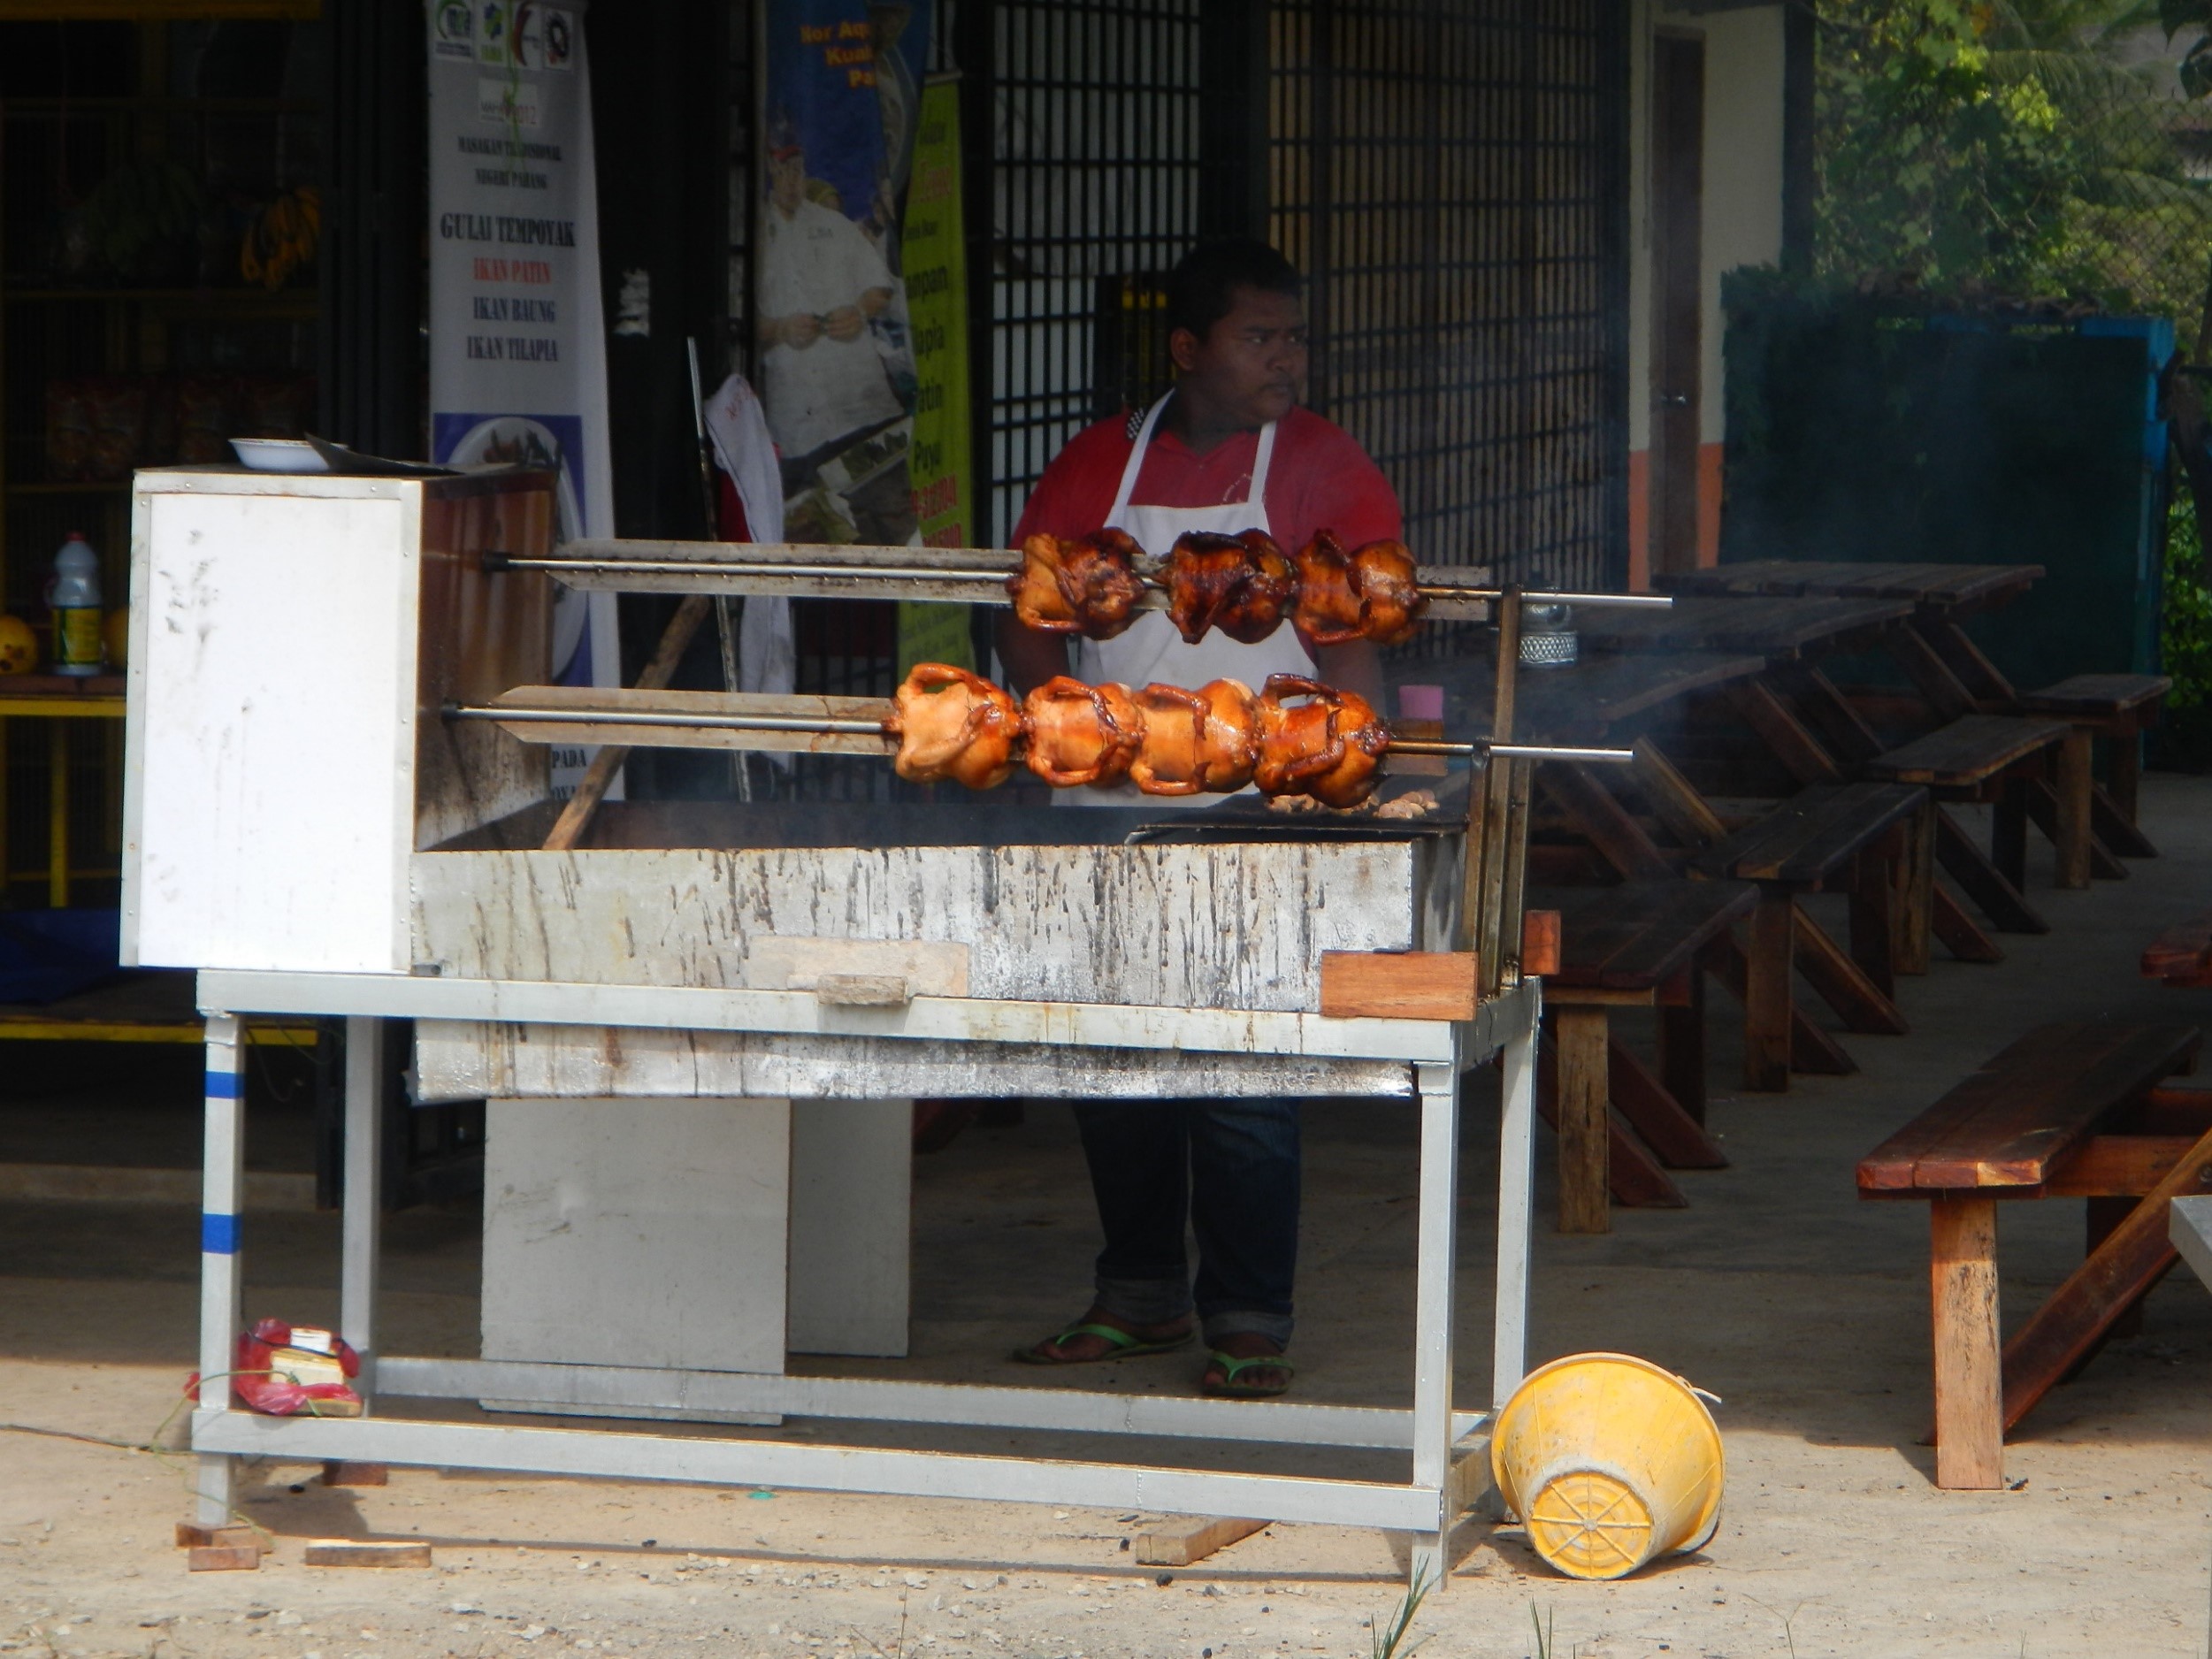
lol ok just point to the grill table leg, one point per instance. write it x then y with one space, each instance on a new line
363 1195
1433 1311
1516 1192
222 1189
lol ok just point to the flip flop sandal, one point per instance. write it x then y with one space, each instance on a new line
1120 1345
1232 1368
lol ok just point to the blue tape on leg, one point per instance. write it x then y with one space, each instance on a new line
224 1085
218 1234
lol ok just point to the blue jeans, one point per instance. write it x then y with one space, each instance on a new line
1231 1168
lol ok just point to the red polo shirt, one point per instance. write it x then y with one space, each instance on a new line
1318 478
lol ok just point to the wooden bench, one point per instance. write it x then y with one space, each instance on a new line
2068 1110
2118 709
1848 836
1994 758
1622 1127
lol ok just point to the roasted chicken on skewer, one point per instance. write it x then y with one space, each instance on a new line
952 723
1242 584
1327 746
1206 741
1372 594
1088 586
1081 734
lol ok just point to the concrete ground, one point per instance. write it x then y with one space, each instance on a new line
1804 1309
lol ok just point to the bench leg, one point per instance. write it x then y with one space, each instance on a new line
1961 935
2124 768
1969 1386
2047 810
1682 1045
1677 1138
1985 884
1811 1049
2072 784
1873 920
1585 1184
1767 993
2009 832
1842 983
1916 894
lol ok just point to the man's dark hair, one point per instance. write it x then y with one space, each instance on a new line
1203 287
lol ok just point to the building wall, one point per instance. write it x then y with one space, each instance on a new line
1742 226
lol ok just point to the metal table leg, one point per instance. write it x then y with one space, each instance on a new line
363 1213
219 1207
1516 1193
1433 1311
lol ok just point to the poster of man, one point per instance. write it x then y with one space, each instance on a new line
837 360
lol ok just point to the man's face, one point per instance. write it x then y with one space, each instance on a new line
787 181
1252 363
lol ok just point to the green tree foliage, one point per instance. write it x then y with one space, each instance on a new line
2006 149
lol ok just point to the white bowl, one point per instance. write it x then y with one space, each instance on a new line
279 454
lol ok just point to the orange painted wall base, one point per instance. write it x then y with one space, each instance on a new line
1709 483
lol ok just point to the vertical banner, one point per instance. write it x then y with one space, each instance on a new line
517 359
935 244
842 104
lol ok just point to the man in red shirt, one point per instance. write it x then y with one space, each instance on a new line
1228 449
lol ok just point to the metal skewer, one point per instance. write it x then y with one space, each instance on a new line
826 725
913 567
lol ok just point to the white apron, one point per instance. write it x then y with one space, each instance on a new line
1151 652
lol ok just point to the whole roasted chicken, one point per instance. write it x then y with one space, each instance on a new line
1372 594
1242 585
1327 746
954 724
1089 585
1206 741
1081 734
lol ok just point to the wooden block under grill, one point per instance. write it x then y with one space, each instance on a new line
1399 985
1179 1543
340 1552
224 1558
192 1537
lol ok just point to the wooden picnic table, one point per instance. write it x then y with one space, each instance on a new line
1779 629
1950 588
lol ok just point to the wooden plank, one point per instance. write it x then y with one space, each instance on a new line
1916 893
1674 799
1971 869
1633 1174
2099 694
2134 1258
2117 1166
2181 952
1180 1543
2171 1111
223 1558
1970 750
1540 943
1783 733
1931 675
1678 1140
1399 985
1811 1049
340 1552
1843 984
1767 1003
1962 1296
576 816
1961 934
1599 815
190 1536
1585 1184
1812 835
2012 1121
2044 812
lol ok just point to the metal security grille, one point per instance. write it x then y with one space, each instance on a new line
1452 174
1095 114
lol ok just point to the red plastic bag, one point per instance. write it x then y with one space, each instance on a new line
264 1378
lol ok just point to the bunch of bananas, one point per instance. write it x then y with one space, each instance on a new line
282 239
